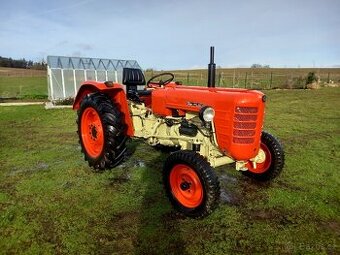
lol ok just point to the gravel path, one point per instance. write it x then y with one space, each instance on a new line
21 103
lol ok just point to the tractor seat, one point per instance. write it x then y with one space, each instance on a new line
132 77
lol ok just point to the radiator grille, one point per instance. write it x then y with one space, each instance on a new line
244 124
241 117
238 132
246 109
243 140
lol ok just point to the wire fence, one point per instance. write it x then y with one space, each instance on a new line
267 78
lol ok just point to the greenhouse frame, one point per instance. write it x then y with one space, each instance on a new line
65 74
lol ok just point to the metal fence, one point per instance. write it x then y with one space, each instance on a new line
65 74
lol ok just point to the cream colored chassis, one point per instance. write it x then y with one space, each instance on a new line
156 131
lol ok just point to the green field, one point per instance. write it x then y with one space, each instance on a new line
23 87
23 83
52 203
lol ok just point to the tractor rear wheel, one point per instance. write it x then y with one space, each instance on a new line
272 165
101 131
191 184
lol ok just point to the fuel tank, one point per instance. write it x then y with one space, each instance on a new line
238 118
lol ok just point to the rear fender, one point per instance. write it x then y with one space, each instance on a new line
115 92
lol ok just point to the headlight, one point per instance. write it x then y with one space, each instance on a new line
207 114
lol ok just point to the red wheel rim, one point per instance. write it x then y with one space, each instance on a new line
186 186
264 166
92 132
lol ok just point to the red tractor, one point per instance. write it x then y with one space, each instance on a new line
208 126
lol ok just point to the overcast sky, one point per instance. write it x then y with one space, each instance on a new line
175 34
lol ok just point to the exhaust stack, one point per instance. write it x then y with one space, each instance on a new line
211 69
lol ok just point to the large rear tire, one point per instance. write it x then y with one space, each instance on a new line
191 184
101 131
273 163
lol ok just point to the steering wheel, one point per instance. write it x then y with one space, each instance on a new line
153 84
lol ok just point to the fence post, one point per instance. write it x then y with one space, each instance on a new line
234 78
222 81
219 79
188 77
245 81
271 80
328 80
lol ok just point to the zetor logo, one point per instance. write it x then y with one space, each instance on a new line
194 104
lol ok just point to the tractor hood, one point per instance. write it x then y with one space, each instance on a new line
238 114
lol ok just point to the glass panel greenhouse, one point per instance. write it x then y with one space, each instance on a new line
65 74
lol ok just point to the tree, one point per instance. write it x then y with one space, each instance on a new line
22 63
259 66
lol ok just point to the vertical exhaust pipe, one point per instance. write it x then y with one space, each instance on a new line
211 69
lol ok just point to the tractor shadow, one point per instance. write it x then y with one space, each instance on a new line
159 228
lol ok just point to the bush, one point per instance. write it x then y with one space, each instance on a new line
65 101
311 78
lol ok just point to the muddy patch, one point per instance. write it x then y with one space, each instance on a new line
40 166
117 234
132 163
123 178
281 217
272 215
229 194
331 225
126 168
239 191
229 198
48 231
288 186
172 216
68 185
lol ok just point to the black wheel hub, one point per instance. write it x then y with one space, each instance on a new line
185 185
94 132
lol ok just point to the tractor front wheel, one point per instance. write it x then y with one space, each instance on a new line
101 131
271 165
191 184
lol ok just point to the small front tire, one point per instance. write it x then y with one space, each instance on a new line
273 164
191 184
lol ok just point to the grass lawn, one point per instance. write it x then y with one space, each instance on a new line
23 87
51 201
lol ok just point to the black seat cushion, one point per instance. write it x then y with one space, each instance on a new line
133 77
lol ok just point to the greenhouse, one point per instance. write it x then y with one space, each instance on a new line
65 74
